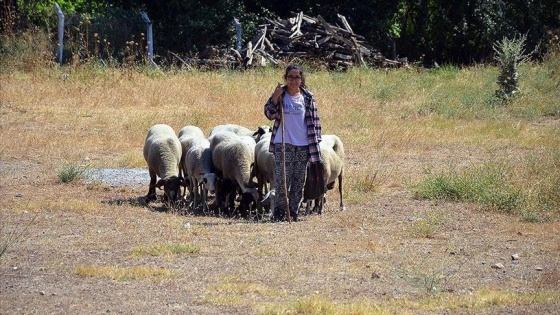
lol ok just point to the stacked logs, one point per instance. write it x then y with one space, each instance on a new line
308 39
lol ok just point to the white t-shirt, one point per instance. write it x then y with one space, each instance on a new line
295 129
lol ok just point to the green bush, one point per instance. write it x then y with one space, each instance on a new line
72 171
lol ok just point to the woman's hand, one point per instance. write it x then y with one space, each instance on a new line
277 92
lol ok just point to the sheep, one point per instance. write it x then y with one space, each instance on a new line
219 137
185 135
232 158
224 187
264 163
240 130
191 131
264 167
200 170
332 154
162 152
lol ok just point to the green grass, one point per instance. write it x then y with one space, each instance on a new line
528 188
72 171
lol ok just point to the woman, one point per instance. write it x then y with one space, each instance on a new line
297 131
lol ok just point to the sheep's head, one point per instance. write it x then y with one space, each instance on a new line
171 187
249 200
209 182
261 130
250 196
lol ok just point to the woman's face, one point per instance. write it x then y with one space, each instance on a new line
293 79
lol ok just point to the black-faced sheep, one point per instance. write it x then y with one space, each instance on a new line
162 152
200 170
186 135
240 130
332 154
263 168
233 157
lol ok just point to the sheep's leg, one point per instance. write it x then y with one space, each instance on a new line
308 207
151 196
320 203
342 207
195 193
204 199
183 172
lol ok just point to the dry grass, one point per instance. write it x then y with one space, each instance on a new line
388 254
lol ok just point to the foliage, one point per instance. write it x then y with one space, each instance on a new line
510 54
72 171
459 32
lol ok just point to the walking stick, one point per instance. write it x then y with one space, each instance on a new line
288 216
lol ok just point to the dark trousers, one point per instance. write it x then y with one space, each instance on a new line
296 165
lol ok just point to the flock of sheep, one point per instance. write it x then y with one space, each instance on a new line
233 164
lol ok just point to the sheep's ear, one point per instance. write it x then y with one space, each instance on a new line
160 183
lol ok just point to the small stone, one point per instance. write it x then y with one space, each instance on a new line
18 195
42 292
187 225
515 257
539 268
498 266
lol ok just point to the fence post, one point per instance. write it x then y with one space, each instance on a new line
238 30
150 38
60 31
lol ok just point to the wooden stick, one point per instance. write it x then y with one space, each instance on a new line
288 216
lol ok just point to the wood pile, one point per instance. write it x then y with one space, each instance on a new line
304 38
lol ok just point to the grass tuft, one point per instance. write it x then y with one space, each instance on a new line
72 171
122 273
166 249
427 227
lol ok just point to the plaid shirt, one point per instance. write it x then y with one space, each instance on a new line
272 112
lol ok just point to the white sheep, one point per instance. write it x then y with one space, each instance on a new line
186 135
162 152
264 163
240 130
263 168
332 154
233 159
200 170
190 131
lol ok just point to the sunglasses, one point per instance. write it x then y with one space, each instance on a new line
292 78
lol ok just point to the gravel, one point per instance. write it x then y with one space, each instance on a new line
116 177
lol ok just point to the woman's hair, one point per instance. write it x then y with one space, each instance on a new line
296 67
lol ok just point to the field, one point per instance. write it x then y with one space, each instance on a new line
452 201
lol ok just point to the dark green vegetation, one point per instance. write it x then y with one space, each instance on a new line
447 32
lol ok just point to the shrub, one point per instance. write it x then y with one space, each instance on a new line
72 171
510 53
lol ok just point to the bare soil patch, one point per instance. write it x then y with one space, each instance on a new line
365 253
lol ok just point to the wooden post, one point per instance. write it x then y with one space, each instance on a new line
60 15
150 38
238 32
